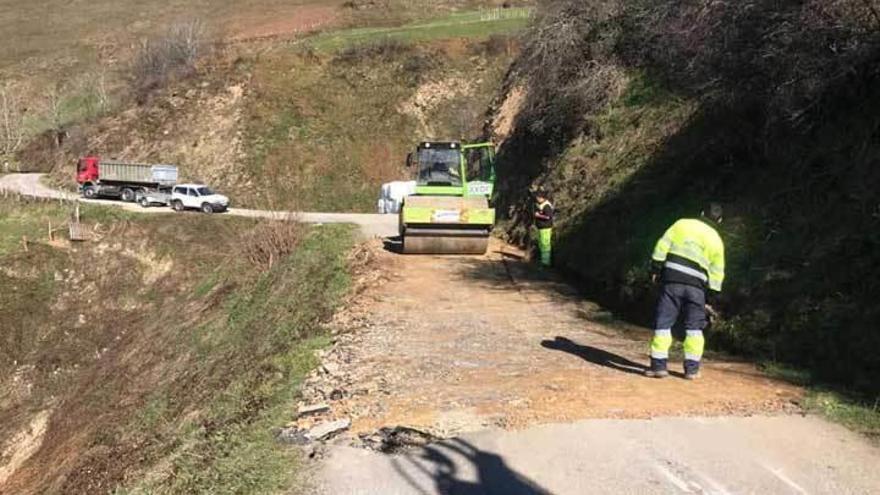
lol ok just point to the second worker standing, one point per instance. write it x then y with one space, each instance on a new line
544 213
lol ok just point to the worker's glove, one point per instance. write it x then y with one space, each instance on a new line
655 269
712 312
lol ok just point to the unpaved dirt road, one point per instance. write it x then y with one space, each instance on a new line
370 225
520 376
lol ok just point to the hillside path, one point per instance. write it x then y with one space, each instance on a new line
371 225
532 389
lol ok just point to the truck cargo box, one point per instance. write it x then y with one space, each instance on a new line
137 173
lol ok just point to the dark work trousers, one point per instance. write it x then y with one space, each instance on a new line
689 303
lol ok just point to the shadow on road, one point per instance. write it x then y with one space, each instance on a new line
393 244
450 465
595 355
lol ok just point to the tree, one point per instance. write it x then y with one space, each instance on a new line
12 119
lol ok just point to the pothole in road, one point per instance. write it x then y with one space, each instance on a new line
397 440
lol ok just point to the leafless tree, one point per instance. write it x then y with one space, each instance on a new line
54 99
101 90
12 118
173 54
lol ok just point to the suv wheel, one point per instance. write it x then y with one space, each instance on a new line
144 202
207 208
177 205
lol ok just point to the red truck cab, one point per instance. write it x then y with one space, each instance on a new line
87 170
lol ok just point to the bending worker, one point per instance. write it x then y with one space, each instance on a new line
544 214
689 261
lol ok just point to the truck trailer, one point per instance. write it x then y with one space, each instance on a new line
124 180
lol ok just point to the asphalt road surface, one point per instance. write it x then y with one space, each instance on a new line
371 225
758 455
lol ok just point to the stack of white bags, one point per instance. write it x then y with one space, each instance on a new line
392 195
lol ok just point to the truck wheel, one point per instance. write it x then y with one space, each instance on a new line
144 202
177 205
128 195
89 192
207 208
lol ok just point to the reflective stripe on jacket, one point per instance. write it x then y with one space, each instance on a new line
692 249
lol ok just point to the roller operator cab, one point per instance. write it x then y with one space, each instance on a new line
450 211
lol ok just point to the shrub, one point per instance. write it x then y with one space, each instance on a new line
173 54
271 241
382 50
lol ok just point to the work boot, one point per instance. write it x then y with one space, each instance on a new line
657 369
656 373
691 369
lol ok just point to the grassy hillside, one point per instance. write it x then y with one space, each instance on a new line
157 357
309 125
633 122
325 131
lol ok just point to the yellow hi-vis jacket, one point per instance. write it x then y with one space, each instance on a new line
692 247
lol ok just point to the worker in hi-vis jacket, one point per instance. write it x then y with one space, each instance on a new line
688 261
544 214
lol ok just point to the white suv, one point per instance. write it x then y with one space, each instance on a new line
198 196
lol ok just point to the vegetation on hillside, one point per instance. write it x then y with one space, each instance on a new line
638 111
325 131
319 124
158 357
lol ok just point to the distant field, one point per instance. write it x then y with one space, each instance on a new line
66 31
472 24
55 35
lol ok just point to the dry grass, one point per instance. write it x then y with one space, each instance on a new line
173 54
271 241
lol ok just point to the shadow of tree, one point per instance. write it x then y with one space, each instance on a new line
448 463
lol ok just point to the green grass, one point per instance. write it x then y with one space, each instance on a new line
207 285
475 24
323 133
17 222
30 219
252 359
857 413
